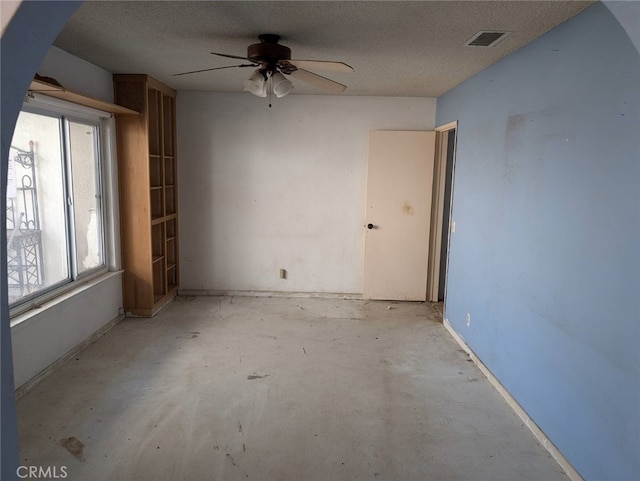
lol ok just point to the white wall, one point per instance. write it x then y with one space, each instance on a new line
77 75
59 326
284 187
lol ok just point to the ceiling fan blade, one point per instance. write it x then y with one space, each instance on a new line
216 68
316 80
322 65
229 56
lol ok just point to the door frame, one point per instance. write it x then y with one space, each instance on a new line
437 209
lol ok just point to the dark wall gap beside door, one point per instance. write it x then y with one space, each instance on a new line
444 246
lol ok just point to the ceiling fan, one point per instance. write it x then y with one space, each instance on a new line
272 60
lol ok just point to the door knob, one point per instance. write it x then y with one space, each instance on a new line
370 226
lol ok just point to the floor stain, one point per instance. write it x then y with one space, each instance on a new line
251 377
188 335
74 446
233 461
407 208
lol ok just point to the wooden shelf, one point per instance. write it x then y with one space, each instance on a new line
51 90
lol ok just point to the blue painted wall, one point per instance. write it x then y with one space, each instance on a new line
546 253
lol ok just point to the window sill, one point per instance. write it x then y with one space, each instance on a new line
25 312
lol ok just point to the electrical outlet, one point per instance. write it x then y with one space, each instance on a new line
468 319
283 273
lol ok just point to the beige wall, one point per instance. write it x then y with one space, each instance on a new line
7 10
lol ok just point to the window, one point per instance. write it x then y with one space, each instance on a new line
55 224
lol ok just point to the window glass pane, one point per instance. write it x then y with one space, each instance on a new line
86 195
36 229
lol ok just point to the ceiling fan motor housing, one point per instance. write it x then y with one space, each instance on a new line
268 52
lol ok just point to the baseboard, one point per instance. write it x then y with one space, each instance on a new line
230 293
533 427
38 378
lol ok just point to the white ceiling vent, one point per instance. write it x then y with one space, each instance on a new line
486 39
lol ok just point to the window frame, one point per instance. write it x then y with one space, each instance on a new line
104 147
73 257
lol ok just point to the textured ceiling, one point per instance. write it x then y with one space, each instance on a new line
396 48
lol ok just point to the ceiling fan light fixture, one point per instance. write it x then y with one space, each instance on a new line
256 84
281 86
275 65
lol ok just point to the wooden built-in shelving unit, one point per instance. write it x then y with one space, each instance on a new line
148 193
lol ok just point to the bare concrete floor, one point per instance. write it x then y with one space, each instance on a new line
277 389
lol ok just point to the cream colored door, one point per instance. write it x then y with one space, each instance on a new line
398 212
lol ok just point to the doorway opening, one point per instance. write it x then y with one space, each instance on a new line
444 167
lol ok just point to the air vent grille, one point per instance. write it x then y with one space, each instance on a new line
486 39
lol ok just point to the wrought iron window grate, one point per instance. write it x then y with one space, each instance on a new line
24 239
